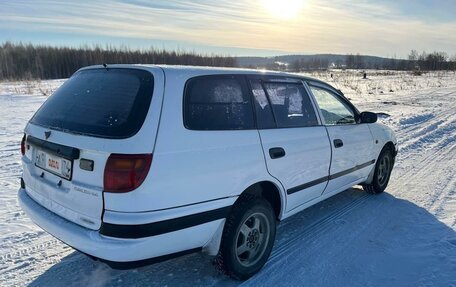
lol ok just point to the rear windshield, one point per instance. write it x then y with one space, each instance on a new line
110 103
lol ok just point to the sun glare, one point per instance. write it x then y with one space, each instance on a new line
284 9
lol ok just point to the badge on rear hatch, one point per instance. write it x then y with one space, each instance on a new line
47 134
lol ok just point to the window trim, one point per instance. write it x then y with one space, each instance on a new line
317 110
244 84
285 80
339 96
252 98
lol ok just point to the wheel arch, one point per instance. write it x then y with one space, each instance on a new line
269 191
392 147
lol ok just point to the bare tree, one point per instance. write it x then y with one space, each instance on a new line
350 61
413 58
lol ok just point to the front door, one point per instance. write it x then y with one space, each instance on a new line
351 142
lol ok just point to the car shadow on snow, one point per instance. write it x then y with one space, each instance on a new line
351 239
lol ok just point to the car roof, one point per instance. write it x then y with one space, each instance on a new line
193 71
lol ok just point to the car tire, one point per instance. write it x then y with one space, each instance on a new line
382 172
248 237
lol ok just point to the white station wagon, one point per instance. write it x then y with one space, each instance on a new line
133 163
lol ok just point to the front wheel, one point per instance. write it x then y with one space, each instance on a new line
382 172
248 237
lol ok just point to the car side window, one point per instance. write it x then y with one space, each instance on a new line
333 109
291 104
219 102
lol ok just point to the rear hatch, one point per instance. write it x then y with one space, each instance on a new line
95 113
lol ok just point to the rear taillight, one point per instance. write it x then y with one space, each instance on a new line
23 145
126 172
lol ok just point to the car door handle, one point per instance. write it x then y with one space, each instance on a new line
276 152
338 143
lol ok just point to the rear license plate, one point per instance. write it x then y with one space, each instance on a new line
54 164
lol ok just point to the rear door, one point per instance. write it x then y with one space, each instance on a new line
95 113
351 143
295 144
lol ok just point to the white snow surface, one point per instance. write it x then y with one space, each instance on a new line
403 237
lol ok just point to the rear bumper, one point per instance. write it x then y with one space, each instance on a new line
114 249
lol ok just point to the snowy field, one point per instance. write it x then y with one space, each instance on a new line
404 237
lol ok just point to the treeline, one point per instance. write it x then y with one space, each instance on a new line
28 61
418 62
433 61
346 62
310 64
415 62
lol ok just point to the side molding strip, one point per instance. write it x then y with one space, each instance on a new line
307 185
326 178
165 226
342 173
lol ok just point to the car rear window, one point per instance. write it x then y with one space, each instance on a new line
111 103
220 102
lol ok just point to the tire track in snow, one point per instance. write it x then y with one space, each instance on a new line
29 250
438 128
430 146
314 231
28 262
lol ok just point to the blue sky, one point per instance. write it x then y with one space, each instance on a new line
244 27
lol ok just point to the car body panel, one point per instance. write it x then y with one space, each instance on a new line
307 158
381 135
355 152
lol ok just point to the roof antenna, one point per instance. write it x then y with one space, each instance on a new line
106 66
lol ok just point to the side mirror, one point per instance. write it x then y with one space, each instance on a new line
367 118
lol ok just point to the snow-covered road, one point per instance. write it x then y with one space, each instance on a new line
404 237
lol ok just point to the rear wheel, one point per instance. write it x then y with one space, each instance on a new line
382 172
248 237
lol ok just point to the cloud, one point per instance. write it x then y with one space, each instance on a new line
324 26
